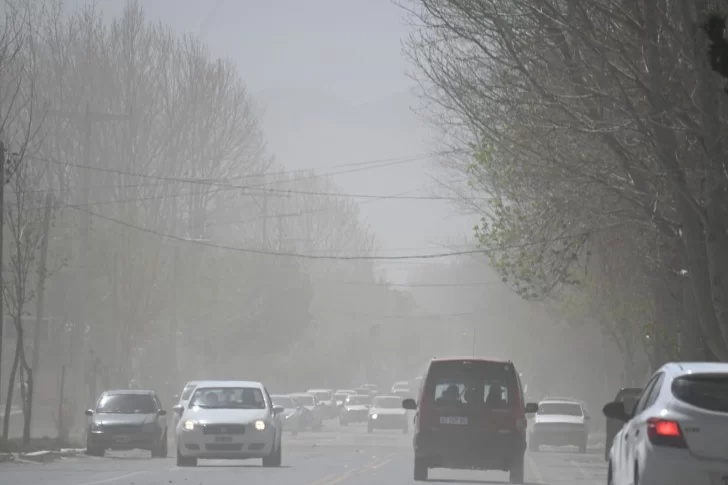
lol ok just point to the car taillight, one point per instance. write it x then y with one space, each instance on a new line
517 410
664 432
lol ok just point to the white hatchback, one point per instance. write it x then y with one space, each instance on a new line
677 433
229 420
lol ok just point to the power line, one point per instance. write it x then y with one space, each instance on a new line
262 187
314 256
407 285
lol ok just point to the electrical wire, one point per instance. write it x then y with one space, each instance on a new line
314 256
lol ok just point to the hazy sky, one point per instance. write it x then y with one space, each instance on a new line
331 77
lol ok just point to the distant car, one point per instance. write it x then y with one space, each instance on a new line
339 398
291 416
373 388
460 398
125 420
629 397
403 393
676 433
364 391
325 398
400 385
560 422
387 413
356 409
234 420
184 397
313 412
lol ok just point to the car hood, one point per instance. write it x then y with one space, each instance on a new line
388 411
559 418
204 415
357 407
109 419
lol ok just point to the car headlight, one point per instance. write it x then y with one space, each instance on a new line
189 425
374 416
260 425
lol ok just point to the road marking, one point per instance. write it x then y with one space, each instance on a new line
369 467
113 479
324 480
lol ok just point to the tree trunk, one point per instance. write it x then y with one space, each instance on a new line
11 385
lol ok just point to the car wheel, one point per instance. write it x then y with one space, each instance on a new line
275 458
517 469
420 471
161 450
185 460
92 450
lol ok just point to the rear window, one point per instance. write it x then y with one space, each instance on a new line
471 382
704 391
560 408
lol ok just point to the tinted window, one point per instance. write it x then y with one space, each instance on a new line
704 391
127 404
304 400
388 402
471 382
228 398
358 400
560 408
283 401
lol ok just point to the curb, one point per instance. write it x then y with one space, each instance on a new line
40 456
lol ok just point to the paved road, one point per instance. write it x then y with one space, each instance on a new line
335 456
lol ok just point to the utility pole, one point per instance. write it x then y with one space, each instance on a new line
264 229
2 225
87 118
42 271
280 233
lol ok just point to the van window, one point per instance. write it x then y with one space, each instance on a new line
471 383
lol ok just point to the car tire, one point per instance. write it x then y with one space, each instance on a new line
92 450
185 460
275 459
516 474
161 450
420 470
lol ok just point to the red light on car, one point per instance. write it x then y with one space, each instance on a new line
664 432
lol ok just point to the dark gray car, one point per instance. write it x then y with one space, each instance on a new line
126 420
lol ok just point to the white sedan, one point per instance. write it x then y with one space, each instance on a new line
677 433
229 420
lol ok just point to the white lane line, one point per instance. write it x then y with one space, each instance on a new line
112 479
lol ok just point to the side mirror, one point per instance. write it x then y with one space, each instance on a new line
162 412
278 410
409 404
178 408
615 410
531 408
89 412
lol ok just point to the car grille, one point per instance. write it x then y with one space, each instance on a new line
122 428
223 429
224 447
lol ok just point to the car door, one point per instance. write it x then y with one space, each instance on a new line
636 428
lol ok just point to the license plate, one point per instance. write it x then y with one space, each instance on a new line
122 439
454 420
223 439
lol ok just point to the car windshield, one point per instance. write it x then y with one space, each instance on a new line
126 404
187 392
388 402
322 395
480 383
283 401
228 398
560 408
358 400
304 400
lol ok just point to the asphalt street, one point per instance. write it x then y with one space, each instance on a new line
346 456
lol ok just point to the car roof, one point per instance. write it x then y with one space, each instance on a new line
130 391
472 359
302 394
561 401
361 395
206 384
344 391
386 397
695 367
319 390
